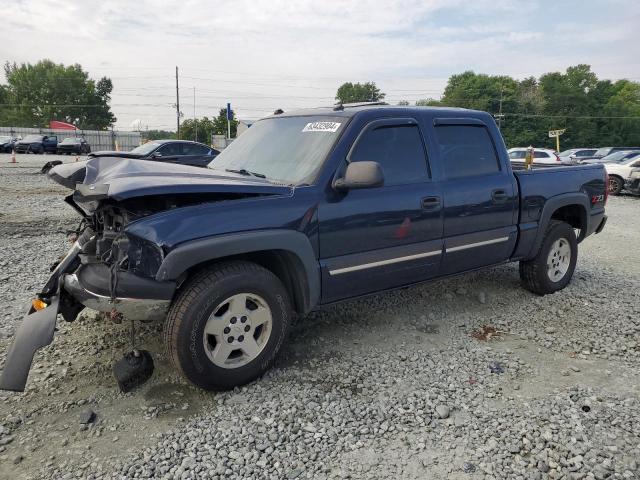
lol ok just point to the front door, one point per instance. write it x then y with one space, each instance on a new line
378 238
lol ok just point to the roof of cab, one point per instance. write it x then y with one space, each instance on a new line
350 111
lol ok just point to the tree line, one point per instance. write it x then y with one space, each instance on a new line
594 112
35 94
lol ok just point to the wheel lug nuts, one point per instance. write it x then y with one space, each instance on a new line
234 319
247 328
241 338
227 329
243 319
230 339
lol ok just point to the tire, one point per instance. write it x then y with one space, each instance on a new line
546 272
220 299
616 184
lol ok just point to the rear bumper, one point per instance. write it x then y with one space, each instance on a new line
603 222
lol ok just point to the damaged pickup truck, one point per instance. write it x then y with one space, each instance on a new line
303 210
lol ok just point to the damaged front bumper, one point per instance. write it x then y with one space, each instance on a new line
73 285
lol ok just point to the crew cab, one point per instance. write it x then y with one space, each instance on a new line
304 210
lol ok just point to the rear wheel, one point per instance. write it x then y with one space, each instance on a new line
552 268
227 325
615 185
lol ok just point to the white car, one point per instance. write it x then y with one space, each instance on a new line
541 156
620 171
574 155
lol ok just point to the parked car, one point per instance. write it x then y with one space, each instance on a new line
7 143
574 155
168 151
604 151
304 209
542 156
620 171
632 184
37 144
73 145
615 157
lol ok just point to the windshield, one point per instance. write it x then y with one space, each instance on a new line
146 148
601 152
629 160
567 153
287 149
33 138
4 138
615 157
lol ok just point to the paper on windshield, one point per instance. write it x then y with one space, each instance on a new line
331 127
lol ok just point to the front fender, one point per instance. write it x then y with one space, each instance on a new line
195 252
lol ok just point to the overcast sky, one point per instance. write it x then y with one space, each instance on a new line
263 55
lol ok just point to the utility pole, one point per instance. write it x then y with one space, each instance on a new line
500 115
177 106
195 121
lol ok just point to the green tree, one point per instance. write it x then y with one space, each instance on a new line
428 102
359 92
208 126
36 94
575 100
157 134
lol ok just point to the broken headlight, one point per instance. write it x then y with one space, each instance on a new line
137 255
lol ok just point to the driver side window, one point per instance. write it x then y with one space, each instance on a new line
398 149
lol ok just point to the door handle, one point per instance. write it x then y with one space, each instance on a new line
499 196
430 203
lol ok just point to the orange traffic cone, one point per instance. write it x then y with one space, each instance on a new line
13 156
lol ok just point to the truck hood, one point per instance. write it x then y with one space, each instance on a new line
121 179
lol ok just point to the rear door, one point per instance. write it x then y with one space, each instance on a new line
379 238
480 196
195 154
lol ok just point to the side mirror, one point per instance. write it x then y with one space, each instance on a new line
360 175
156 155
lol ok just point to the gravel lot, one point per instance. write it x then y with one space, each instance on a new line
402 385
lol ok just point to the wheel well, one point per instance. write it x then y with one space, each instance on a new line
283 264
574 215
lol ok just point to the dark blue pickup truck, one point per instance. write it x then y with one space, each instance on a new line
303 210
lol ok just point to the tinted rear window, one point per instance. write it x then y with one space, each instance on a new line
466 151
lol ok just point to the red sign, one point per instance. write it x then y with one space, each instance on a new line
55 124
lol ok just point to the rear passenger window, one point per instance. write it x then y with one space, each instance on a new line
537 154
399 151
194 149
466 151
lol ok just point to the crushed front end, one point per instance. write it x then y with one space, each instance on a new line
107 270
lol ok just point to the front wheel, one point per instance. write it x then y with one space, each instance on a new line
552 268
227 325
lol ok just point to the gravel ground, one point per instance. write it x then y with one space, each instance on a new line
468 378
